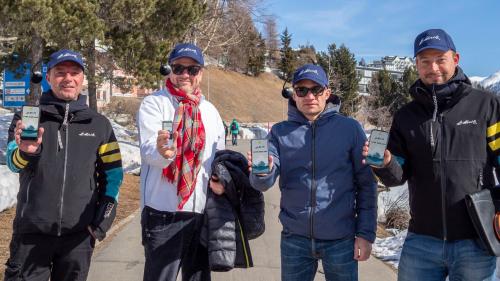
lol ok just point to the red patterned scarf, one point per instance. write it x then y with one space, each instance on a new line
190 143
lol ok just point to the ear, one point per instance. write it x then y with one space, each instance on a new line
456 58
328 93
47 77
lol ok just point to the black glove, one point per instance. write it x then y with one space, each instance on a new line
104 217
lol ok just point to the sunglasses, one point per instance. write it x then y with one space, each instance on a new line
302 91
193 70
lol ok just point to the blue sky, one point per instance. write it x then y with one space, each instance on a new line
372 29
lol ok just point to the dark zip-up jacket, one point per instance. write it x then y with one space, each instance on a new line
444 143
326 192
233 218
76 172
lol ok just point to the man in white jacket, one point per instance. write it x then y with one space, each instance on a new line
175 169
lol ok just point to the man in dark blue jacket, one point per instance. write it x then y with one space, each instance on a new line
69 180
328 197
444 143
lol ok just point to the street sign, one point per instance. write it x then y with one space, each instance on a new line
16 85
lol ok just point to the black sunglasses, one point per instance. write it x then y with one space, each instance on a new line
193 70
302 91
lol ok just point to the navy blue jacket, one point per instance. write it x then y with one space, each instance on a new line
326 192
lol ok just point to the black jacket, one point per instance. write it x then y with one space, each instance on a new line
445 147
233 218
73 181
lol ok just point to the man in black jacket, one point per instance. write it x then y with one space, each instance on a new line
444 143
69 180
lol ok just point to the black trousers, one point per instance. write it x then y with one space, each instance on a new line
38 257
172 241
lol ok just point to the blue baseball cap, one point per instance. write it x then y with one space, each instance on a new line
310 72
433 39
186 50
65 55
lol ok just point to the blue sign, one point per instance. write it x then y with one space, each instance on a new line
16 85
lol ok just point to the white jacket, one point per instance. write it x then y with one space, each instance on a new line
156 191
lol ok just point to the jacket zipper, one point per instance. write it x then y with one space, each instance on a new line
443 178
27 197
480 180
65 127
313 183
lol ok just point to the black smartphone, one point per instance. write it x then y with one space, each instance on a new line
260 156
31 120
168 126
377 145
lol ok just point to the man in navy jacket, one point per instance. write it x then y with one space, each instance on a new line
328 197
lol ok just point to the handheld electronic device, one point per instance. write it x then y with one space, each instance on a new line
260 156
168 126
377 145
31 119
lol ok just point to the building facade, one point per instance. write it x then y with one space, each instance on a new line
395 65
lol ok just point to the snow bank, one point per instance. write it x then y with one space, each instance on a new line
252 131
389 249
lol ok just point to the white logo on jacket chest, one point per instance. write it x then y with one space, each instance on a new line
466 122
86 134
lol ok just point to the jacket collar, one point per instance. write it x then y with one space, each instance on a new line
447 94
56 107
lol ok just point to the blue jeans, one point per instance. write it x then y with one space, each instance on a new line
300 255
426 258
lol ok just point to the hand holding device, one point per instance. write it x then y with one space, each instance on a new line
260 156
376 148
31 120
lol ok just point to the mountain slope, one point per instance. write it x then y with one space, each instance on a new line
246 98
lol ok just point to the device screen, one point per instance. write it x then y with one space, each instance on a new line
260 156
377 145
168 126
30 119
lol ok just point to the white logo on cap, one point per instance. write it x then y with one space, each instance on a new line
188 50
308 70
67 55
429 38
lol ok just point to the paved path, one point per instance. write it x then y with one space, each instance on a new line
122 258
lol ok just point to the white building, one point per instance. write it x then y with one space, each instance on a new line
393 64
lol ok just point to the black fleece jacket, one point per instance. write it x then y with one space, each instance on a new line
74 179
445 143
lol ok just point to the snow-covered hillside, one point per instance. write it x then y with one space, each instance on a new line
491 83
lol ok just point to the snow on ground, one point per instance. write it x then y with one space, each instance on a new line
253 131
389 249
9 185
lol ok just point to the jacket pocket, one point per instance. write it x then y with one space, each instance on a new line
158 222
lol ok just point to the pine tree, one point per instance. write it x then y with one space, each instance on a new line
340 66
137 33
256 57
345 68
141 47
388 95
288 60
409 77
